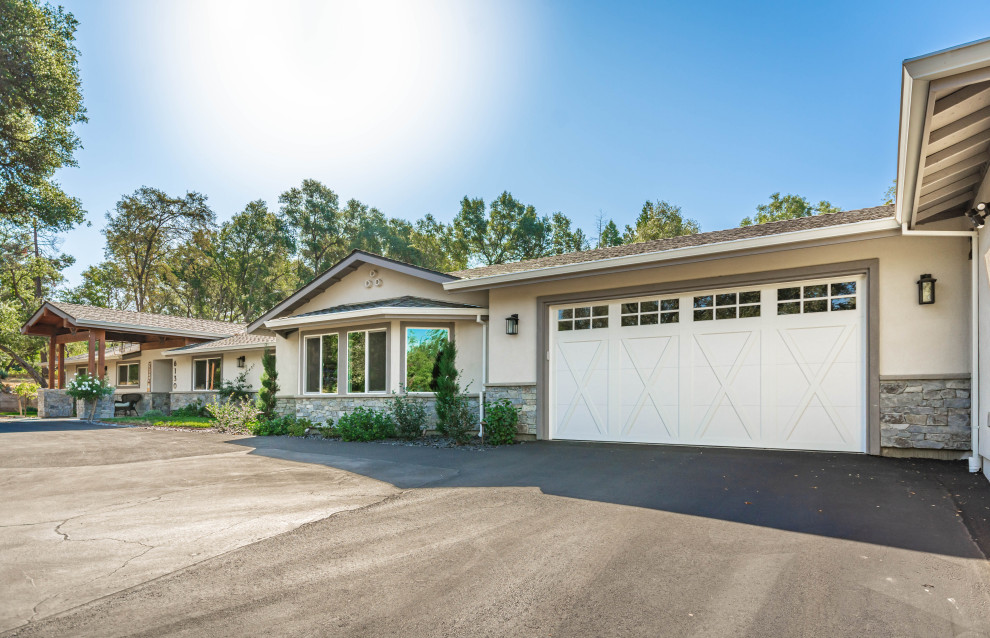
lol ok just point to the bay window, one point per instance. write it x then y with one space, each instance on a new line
366 361
206 374
423 346
321 364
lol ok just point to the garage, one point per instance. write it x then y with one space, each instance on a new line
766 366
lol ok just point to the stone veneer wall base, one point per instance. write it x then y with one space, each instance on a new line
53 404
926 414
522 396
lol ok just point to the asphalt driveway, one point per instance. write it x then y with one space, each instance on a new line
140 532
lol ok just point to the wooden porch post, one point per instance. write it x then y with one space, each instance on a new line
51 361
61 366
91 367
101 357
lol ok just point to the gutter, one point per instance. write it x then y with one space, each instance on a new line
293 322
658 257
484 376
975 461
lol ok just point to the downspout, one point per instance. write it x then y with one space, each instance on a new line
484 375
975 462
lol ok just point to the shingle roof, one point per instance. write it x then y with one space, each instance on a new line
700 239
230 343
112 352
137 320
395 302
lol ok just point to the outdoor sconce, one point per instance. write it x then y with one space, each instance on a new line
512 325
926 290
979 215
240 362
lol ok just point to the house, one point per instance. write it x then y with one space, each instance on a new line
861 331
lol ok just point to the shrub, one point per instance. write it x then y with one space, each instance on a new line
364 424
501 422
269 385
287 425
409 416
461 419
192 409
238 389
153 414
86 388
233 415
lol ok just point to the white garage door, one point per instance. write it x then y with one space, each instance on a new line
770 366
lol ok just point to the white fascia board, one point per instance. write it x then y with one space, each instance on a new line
241 346
376 313
781 239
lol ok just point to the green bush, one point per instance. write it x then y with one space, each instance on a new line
233 416
409 416
501 422
461 419
445 386
153 414
192 409
238 389
287 425
364 424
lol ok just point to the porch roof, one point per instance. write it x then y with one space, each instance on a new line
57 318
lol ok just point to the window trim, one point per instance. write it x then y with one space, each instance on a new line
341 332
305 361
193 363
347 361
117 382
428 325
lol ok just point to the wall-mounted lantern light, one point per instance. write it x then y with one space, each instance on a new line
926 289
240 362
512 325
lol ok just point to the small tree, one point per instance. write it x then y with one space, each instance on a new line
269 386
25 392
86 388
445 386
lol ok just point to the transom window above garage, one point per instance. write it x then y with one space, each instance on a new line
828 297
582 318
649 312
727 305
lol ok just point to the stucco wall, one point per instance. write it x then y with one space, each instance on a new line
144 359
228 367
914 339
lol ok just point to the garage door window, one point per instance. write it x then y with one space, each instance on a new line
649 313
727 305
830 297
583 318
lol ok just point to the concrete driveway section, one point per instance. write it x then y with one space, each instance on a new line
542 539
89 511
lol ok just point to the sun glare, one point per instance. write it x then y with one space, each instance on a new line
342 82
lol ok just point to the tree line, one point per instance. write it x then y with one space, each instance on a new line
167 253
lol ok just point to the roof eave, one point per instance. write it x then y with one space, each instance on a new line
916 77
198 350
659 257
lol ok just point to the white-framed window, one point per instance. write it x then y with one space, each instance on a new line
320 363
423 347
650 312
367 361
128 374
206 373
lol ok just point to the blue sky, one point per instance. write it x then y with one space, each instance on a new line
572 106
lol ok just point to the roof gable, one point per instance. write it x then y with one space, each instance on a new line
337 273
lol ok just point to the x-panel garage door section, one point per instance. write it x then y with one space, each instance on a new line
770 366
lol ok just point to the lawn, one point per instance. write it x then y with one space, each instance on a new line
30 412
165 421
